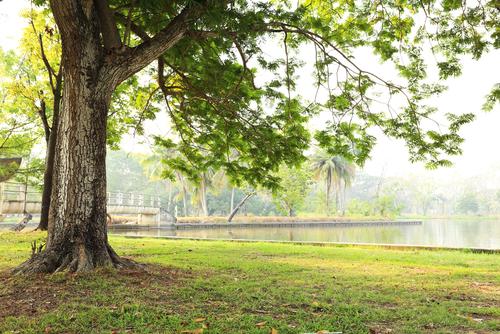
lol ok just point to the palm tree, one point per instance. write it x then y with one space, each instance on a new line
220 179
334 170
496 203
155 168
198 191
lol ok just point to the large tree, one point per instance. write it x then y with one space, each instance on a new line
203 50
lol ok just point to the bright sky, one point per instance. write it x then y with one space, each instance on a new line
465 95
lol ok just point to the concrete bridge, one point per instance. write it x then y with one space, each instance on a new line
153 211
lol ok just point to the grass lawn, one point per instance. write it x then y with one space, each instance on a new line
233 287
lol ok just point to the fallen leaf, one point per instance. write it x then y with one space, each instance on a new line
200 319
285 304
314 304
472 320
137 314
47 330
261 323
273 331
224 329
203 326
322 332
183 322
356 303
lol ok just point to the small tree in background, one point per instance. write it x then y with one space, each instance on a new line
468 203
295 183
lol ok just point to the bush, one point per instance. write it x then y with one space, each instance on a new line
364 208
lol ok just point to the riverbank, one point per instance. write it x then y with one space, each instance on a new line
275 219
495 217
226 287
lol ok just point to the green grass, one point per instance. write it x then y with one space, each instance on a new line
255 287
12 220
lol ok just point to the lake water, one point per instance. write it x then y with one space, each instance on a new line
461 233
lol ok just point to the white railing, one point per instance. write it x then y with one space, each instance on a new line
20 192
13 191
117 197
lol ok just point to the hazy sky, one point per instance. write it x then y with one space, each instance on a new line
465 95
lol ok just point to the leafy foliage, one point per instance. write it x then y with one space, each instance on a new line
295 184
209 85
468 203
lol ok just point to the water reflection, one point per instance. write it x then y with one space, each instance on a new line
478 233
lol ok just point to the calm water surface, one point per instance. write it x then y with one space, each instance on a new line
464 233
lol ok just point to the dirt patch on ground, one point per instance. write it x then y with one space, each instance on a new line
33 296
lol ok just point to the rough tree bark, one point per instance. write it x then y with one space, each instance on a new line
77 234
23 222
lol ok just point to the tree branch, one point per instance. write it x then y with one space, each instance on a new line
109 31
129 21
154 47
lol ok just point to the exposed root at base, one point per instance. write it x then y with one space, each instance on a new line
77 260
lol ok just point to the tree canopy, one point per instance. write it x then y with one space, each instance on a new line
210 90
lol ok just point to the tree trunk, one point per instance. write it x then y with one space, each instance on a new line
239 206
169 182
328 186
337 190
77 233
344 201
50 137
232 199
49 162
290 212
94 63
203 196
23 222
184 195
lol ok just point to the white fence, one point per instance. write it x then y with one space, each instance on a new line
11 192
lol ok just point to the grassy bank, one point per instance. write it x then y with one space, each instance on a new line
229 287
497 217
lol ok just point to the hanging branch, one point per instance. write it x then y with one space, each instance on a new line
129 21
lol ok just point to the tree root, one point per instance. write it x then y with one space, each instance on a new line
75 260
